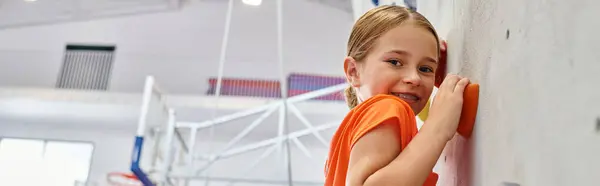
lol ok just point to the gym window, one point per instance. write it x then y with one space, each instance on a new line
44 162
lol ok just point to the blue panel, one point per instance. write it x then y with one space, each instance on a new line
376 2
135 162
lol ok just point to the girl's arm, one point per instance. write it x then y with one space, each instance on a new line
375 159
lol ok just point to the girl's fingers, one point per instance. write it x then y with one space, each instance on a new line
449 83
460 86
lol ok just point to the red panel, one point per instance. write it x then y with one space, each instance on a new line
246 82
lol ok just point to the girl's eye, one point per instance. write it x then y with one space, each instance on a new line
426 69
395 62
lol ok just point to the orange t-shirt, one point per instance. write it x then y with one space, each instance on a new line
360 120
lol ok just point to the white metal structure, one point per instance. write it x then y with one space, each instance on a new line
193 172
158 142
156 132
154 107
280 142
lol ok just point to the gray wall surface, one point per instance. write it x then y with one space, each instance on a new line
539 69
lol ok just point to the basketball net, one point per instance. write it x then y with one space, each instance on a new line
122 179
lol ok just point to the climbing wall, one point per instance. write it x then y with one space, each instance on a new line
536 60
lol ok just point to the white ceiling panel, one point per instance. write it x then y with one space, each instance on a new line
31 12
20 11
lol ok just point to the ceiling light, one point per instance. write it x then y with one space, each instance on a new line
30 0
252 2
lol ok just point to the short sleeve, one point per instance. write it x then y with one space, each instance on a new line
380 109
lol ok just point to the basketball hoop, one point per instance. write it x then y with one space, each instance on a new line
122 179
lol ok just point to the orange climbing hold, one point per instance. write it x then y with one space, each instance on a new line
469 110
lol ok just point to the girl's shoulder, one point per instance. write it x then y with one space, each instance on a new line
377 109
383 102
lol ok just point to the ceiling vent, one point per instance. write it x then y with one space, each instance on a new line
86 67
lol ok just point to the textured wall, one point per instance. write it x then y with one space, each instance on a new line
538 67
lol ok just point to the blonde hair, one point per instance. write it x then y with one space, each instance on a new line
370 26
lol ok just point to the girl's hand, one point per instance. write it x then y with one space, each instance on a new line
446 107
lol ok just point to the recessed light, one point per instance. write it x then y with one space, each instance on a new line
252 2
30 0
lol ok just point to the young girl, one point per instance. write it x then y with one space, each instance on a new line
392 58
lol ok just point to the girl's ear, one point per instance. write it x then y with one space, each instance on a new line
350 68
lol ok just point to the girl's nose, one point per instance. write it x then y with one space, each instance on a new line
413 78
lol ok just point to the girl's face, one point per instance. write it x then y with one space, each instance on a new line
402 62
